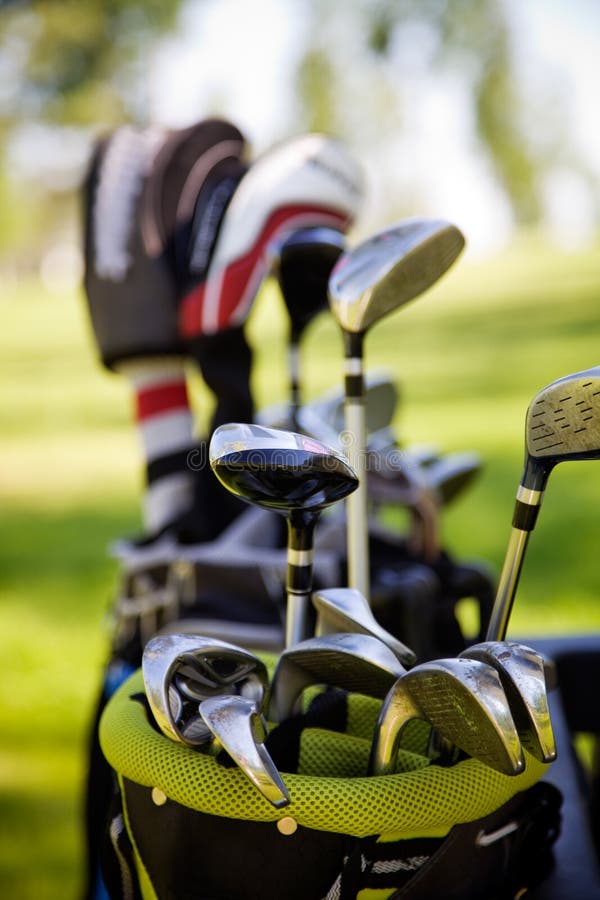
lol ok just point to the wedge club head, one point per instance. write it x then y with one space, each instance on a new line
523 676
237 726
464 701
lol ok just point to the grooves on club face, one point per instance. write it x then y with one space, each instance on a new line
522 673
354 662
235 722
464 701
181 669
279 470
347 610
389 269
563 423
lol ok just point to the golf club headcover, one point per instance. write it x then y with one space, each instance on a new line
148 197
465 832
307 181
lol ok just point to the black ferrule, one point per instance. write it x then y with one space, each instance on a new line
354 386
299 579
525 516
353 344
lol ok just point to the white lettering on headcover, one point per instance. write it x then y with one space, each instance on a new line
126 162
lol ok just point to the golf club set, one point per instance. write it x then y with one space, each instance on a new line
288 683
347 733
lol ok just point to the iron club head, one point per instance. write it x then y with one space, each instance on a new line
347 610
237 726
180 670
354 662
464 701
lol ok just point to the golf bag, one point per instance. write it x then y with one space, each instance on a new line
187 824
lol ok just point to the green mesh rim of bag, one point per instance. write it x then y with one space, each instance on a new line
423 800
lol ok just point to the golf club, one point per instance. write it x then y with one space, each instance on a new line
562 423
355 662
238 727
368 283
302 262
181 670
293 475
464 701
522 673
346 610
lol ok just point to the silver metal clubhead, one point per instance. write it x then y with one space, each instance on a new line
464 701
180 670
237 725
354 662
390 268
522 672
346 609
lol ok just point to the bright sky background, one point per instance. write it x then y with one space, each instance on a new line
235 56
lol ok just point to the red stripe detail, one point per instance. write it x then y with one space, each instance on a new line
167 397
238 274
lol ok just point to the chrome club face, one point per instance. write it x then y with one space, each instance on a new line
346 610
523 677
237 725
464 701
562 423
354 662
181 670
294 475
368 283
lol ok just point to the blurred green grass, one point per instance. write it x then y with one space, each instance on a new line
468 357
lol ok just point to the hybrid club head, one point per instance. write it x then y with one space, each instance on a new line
346 610
294 475
238 727
279 470
464 701
523 676
354 662
387 270
181 670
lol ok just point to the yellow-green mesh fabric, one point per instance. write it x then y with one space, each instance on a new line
413 803
362 716
327 753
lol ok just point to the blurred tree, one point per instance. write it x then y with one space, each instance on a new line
399 42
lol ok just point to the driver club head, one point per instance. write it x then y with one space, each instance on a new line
390 268
522 672
464 701
354 662
181 670
347 610
238 727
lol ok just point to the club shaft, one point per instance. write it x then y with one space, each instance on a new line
356 503
507 585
